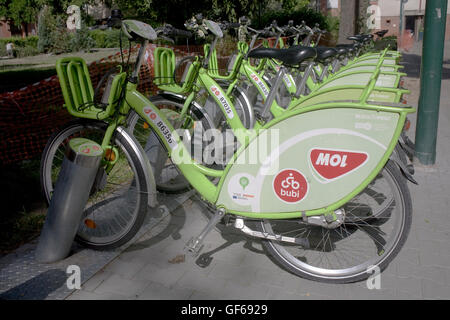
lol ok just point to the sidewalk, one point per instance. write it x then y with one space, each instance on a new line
151 268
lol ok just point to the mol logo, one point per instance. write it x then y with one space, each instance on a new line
290 186
332 164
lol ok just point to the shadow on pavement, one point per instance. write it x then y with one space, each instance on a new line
37 288
412 63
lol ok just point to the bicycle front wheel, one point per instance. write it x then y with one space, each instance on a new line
377 224
117 205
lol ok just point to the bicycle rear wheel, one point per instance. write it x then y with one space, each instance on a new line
373 233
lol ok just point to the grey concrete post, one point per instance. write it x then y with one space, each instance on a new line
69 198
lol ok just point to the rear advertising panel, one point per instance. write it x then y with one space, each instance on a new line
321 156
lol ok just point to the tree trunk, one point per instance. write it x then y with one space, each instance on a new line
24 27
347 20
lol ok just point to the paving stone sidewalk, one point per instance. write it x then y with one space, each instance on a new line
150 268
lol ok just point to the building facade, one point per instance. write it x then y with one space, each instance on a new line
389 15
8 29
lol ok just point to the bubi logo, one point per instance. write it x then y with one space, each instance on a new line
333 164
290 186
215 90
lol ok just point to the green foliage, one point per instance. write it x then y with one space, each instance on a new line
333 26
107 38
60 38
26 51
46 25
81 40
20 42
23 47
226 46
390 41
139 8
310 16
99 37
23 11
231 10
112 39
19 11
294 4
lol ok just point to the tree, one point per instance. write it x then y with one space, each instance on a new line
176 12
348 18
46 26
20 12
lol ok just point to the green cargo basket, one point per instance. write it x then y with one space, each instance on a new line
78 93
165 64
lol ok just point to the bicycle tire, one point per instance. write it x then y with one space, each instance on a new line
59 136
296 263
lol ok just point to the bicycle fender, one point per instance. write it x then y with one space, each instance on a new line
148 172
395 158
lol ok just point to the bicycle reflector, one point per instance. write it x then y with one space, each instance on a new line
90 223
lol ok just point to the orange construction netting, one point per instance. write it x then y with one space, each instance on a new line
30 115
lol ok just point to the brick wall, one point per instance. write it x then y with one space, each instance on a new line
392 24
4 29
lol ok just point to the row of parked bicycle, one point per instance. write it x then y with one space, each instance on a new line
328 198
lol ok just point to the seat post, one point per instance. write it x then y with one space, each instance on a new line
301 87
335 66
324 72
345 61
251 45
271 97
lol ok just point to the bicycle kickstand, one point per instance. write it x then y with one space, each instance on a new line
195 245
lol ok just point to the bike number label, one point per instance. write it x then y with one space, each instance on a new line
260 84
223 102
162 127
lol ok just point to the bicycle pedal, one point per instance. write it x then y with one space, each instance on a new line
193 247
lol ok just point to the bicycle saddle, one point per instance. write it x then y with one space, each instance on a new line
134 30
381 33
349 46
292 56
325 53
360 37
341 51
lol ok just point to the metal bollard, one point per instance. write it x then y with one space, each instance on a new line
72 189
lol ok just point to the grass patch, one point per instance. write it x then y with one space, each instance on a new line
19 229
23 207
15 79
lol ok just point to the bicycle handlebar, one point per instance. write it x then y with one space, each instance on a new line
229 25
